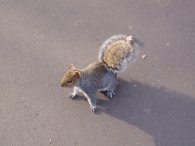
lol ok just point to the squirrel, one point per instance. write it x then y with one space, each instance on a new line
114 56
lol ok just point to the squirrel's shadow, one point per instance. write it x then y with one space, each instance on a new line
165 115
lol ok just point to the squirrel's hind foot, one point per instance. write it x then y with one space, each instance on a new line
110 94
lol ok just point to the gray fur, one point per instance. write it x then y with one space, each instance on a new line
99 77
95 78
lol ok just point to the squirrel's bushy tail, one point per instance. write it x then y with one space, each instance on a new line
117 51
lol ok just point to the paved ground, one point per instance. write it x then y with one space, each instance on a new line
155 100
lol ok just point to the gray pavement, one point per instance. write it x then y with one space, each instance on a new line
155 100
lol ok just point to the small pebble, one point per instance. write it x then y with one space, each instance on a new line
144 56
50 141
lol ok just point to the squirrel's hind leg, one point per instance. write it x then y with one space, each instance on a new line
111 90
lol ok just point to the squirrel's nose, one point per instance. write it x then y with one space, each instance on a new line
62 84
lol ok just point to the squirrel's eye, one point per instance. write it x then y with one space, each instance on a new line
70 81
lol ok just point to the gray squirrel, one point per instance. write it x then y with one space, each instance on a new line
114 56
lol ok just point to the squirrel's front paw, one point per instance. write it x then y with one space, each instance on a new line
93 108
71 96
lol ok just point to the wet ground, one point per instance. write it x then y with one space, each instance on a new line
155 100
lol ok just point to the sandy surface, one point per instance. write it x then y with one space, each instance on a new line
155 100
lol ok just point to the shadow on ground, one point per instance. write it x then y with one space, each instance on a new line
166 115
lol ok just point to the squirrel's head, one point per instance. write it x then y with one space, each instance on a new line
70 77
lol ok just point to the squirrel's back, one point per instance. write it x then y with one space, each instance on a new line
116 52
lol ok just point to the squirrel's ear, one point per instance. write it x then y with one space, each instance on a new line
77 74
71 66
